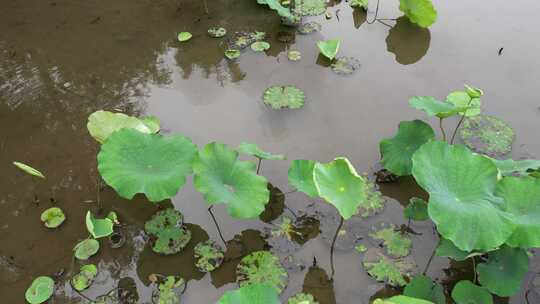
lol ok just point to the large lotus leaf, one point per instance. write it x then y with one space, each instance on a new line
329 48
397 151
253 149
251 294
396 243
133 162
420 12
26 168
487 135
461 200
433 107
522 197
339 184
504 270
262 267
53 217
310 7
302 298
384 269
40 290
423 287
516 167
166 227
85 277
101 124
301 176
222 178
98 228
85 249
416 209
401 300
465 292
462 99
279 97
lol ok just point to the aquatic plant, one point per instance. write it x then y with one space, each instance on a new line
168 292
396 243
300 176
255 293
217 32
487 135
86 248
260 46
40 290
232 54
279 97
416 210
254 150
363 4
384 269
310 7
420 12
345 65
26 168
510 167
167 228
184 36
53 217
401 300
209 256
329 48
98 228
422 287
294 55
84 278
101 124
504 270
374 201
262 267
302 298
447 249
465 292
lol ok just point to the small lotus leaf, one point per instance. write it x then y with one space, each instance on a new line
232 54
28 169
504 271
516 167
133 162
166 227
85 277
309 28
433 107
262 267
310 7
152 123
113 217
168 291
397 151
294 55
396 243
374 201
260 46
40 290
401 299
301 176
85 249
251 294
461 188
302 298
329 48
422 287
447 249
222 178
487 135
253 149
462 99
53 217
184 36
209 256
474 92
345 65
416 210
101 124
383 269
279 97
465 292
363 4
420 12
217 32
98 228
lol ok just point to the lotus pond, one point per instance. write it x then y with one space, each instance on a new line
264 151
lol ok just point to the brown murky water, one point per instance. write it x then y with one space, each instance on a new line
61 60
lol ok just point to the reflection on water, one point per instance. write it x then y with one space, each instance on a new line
407 41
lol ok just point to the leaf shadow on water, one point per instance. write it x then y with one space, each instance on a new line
317 283
359 17
408 42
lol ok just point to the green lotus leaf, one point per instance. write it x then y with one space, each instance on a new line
516 167
433 107
166 227
152 123
101 124
504 270
416 210
396 243
374 201
420 12
26 168
461 188
260 46
232 54
397 151
384 269
345 65
280 9
329 48
309 28
310 7
294 55
184 36
401 300
222 178
168 291
363 4
53 217
251 294
422 287
487 135
98 228
302 298
262 267
300 176
113 217
85 277
279 97
133 162
209 256
463 100
86 248
339 184
253 149
217 32
40 290
447 249
465 292
474 92
522 197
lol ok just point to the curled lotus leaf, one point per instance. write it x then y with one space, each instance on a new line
260 46
473 92
168 291
516 167
254 150
279 97
329 48
262 267
98 228
217 32
462 99
85 277
40 290
53 217
384 269
465 292
487 135
462 202
416 210
397 244
422 287
209 256
184 36
232 54
302 298
300 176
504 271
166 226
251 294
86 248
133 162
294 55
309 28
345 65
101 124
26 168
310 7
433 107
421 12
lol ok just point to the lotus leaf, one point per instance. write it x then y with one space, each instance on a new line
522 197
329 48
465 292
209 256
386 270
504 270
280 9
101 124
85 249
85 277
461 199
217 32
232 54
168 291
374 201
302 298
113 217
152 123
422 287
361 248
363 4
397 151
184 36
487 135
253 149
301 176
261 267
516 167
251 294
53 217
309 28
345 65
98 228
132 162
401 300
222 178
433 107
462 99
166 226
310 7
474 92
260 46
294 55
420 12
416 210
396 243
40 290
447 249
279 97
26 168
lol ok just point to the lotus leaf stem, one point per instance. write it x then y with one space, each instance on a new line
429 261
259 165
459 124
292 212
216 223
442 129
474 270
376 13
332 248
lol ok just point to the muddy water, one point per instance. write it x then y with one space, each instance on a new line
61 60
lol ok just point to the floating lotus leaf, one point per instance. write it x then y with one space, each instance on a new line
386 270
253 149
363 4
262 267
132 162
329 48
374 201
465 292
168 291
522 198
422 287
152 123
85 249
40 290
504 270
516 167
302 298
53 217
401 300
447 249
309 28
184 36
260 46
462 99
310 7
487 135
232 54
301 176
461 200
98 228
433 107
416 210
241 40
217 32
420 12
294 55
396 243
279 97
339 184
101 124
85 277
166 227
345 65
29 170
397 151
222 178
251 294
209 256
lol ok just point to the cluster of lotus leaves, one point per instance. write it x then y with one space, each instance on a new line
420 12
255 293
167 227
262 267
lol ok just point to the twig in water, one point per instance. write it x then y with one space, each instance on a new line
217 226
